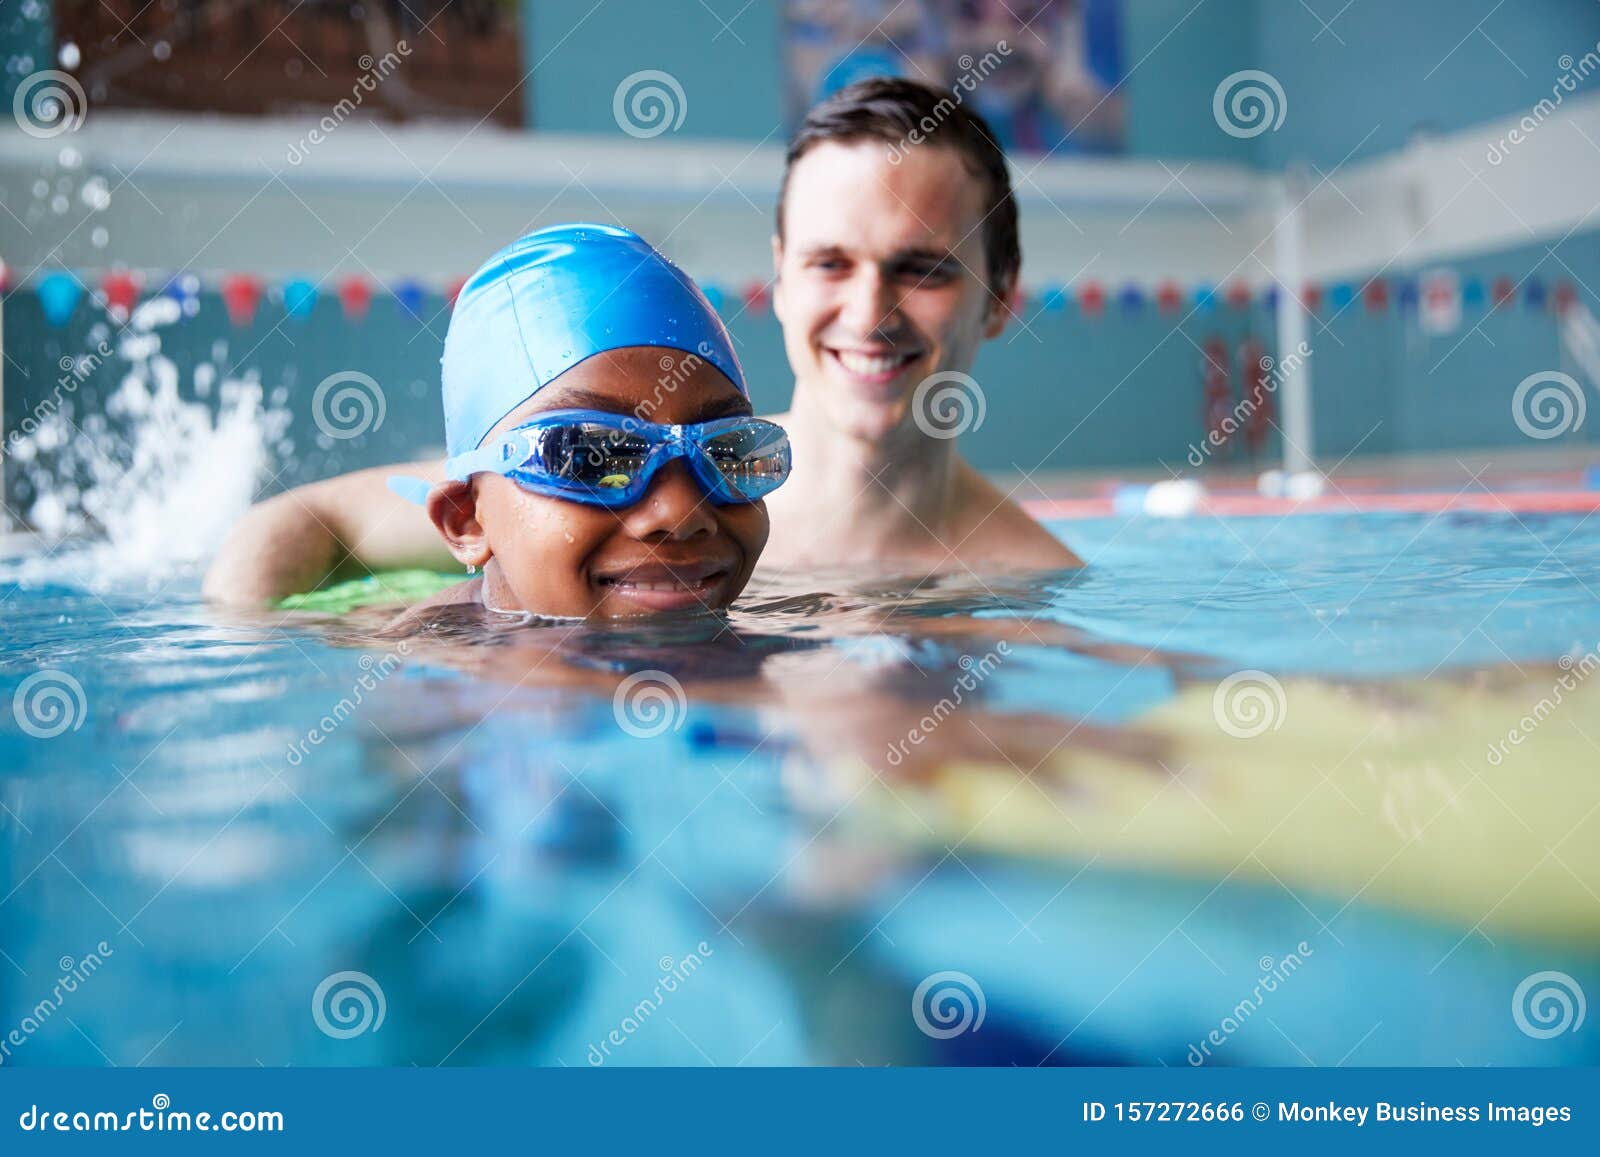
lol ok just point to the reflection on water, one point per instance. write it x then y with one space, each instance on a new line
1229 797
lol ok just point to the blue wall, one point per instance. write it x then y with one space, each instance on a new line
1359 78
1177 52
1407 66
27 43
725 53
1126 390
1120 390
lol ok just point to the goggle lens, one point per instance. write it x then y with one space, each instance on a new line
590 455
609 461
753 459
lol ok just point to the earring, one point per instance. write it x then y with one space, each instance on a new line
472 568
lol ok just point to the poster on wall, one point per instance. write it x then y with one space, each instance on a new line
1046 74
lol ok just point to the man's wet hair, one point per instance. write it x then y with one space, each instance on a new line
899 112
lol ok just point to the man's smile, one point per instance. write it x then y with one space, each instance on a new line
872 366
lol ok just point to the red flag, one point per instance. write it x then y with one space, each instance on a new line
241 294
1504 290
1376 295
1238 295
1091 299
355 296
755 297
1169 296
455 290
121 291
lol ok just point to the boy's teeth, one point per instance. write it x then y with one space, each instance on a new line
666 586
870 363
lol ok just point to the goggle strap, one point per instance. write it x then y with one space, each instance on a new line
411 489
492 458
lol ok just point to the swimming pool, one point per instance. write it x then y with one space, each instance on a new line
1243 792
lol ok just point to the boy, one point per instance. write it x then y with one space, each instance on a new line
580 486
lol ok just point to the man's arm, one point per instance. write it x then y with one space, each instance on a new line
339 528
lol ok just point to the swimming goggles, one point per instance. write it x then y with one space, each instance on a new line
609 460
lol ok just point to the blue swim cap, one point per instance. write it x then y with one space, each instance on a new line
553 298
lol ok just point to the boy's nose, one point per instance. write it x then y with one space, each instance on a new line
674 507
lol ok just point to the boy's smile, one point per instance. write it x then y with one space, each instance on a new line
659 583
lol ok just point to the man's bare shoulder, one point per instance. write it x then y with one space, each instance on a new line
992 530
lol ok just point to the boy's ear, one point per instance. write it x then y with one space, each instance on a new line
453 507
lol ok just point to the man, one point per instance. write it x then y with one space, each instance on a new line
896 254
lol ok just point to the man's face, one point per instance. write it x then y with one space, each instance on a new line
882 278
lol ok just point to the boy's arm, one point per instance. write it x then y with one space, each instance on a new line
339 528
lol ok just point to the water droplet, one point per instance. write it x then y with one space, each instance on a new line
161 50
96 194
99 237
69 158
59 204
69 56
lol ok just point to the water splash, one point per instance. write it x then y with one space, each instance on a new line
140 490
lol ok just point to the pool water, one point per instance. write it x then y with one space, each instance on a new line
1242 792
